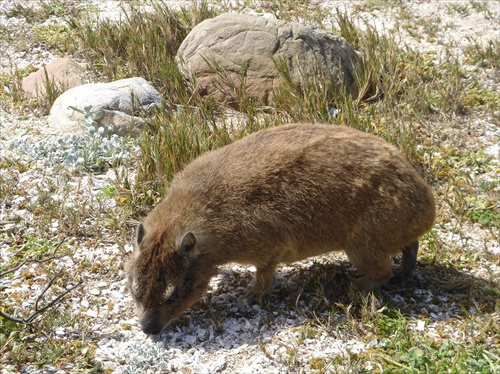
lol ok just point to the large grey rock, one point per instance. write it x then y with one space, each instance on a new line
238 43
122 102
64 73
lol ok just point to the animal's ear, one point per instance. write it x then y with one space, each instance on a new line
140 233
188 242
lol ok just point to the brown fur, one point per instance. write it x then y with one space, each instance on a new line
279 195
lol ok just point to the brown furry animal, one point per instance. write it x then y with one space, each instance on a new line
278 195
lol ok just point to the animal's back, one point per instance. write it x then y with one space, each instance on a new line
309 187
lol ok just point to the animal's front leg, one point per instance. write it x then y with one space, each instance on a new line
262 283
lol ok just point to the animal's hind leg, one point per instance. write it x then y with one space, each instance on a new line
409 259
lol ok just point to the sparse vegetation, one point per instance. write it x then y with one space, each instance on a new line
436 108
488 55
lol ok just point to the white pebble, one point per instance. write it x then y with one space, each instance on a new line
60 331
91 313
420 325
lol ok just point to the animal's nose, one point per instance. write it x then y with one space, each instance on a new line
150 325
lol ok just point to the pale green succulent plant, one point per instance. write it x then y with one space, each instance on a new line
94 151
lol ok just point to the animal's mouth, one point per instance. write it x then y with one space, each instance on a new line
152 323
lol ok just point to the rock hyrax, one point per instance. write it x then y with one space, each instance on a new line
278 195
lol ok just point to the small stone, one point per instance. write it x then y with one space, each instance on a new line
218 365
420 325
91 313
60 331
483 64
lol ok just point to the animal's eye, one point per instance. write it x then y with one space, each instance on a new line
188 242
173 299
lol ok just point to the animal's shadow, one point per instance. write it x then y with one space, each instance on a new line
310 293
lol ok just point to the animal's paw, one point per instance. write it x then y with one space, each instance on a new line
245 301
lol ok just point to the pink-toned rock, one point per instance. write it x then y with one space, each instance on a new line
64 72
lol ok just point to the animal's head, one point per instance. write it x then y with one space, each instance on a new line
166 275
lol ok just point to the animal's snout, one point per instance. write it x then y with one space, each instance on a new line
150 324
